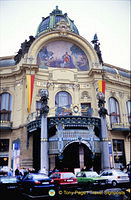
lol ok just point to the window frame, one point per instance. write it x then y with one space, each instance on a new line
5 110
128 109
115 115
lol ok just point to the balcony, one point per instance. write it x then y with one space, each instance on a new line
34 121
120 127
6 125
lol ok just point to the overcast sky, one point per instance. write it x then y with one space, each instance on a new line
110 19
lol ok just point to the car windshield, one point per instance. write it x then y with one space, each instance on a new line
39 176
120 173
54 176
91 174
68 175
8 179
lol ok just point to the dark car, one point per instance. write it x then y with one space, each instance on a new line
36 183
64 180
8 183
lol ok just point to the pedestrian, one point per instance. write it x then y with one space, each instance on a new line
43 171
10 172
55 170
17 172
83 169
50 172
92 169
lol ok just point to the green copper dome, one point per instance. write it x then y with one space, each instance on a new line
51 22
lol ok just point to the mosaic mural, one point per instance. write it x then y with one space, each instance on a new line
62 54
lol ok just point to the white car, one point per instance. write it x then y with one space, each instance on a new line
115 176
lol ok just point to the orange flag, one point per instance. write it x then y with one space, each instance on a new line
101 85
30 85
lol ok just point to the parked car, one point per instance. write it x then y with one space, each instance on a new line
90 179
36 183
8 183
64 179
115 176
4 171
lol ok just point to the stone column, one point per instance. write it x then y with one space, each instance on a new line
81 156
44 135
76 88
104 145
104 140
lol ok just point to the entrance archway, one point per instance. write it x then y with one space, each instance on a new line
76 155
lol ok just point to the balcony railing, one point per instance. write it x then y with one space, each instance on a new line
33 116
120 126
70 110
5 124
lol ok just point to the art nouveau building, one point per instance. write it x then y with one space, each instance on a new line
64 63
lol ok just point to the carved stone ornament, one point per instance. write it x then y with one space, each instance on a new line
85 94
50 85
121 94
76 86
63 87
62 26
113 94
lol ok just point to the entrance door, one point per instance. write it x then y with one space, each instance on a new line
76 155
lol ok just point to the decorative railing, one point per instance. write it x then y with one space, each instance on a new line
69 110
33 116
75 133
123 126
6 124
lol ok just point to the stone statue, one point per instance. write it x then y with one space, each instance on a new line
24 49
97 48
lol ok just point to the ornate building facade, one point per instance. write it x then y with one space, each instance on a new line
69 67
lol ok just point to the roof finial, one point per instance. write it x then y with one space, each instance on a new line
56 11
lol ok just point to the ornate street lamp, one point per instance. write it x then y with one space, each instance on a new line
104 140
44 135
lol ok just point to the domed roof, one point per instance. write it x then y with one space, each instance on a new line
51 22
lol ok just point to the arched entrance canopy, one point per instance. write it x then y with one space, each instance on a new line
76 154
80 142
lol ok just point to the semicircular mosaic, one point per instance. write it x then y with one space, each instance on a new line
62 54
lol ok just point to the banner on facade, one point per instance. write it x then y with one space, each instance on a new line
101 85
30 85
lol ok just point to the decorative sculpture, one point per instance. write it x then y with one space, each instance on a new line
24 49
44 100
97 48
101 104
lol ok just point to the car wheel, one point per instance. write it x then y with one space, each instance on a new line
90 185
30 190
114 183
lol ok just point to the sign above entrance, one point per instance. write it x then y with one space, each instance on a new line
62 54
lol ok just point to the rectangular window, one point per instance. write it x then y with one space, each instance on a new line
4 145
119 153
38 105
128 105
3 161
86 109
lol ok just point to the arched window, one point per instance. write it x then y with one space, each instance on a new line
63 99
5 106
128 106
113 110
